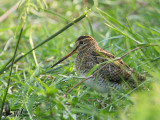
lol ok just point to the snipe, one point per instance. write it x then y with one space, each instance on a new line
114 75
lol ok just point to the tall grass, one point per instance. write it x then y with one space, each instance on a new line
36 91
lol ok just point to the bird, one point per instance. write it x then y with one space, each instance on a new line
115 75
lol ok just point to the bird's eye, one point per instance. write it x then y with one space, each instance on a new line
81 42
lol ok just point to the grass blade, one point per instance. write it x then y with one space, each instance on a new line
8 83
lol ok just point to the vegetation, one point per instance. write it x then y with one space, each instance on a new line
36 91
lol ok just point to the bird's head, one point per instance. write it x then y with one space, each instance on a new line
83 44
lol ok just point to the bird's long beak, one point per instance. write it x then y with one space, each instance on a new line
65 57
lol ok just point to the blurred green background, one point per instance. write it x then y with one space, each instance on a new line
118 26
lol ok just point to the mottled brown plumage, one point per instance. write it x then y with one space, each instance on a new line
114 75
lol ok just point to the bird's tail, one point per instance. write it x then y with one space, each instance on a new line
141 77
136 80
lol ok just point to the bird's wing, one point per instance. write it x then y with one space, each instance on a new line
106 56
116 69
118 65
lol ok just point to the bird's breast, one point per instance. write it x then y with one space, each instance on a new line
84 62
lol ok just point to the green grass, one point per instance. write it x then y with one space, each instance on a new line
118 26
